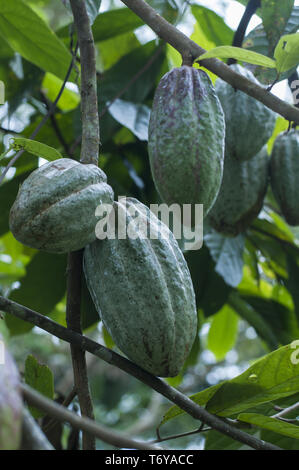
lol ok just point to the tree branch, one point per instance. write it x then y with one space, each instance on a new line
89 99
60 413
175 396
189 49
33 437
89 154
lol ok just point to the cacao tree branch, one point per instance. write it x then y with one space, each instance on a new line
189 49
89 100
175 396
33 437
89 154
60 413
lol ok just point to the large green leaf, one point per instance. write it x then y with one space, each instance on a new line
228 256
206 281
287 52
212 25
110 24
39 377
30 36
8 193
134 116
272 377
271 424
41 289
275 16
226 52
223 332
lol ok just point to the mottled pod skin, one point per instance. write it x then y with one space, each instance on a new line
284 175
10 405
55 207
242 193
186 138
249 124
144 293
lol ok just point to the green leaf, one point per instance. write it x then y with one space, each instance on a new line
287 52
271 424
51 86
212 25
206 281
223 332
275 16
254 318
111 50
30 36
8 193
226 52
228 256
110 24
35 148
134 116
200 399
41 289
39 377
274 376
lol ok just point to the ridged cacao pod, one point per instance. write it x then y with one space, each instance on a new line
186 138
10 403
284 175
55 207
249 124
242 193
143 291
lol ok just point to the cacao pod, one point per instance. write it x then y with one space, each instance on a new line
143 291
284 175
186 138
242 193
249 124
10 403
55 207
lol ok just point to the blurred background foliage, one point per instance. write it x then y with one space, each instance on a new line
246 287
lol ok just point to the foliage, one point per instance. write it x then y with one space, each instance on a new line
244 286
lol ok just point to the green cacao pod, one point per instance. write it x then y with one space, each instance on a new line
249 124
284 175
143 291
186 138
55 207
10 402
242 193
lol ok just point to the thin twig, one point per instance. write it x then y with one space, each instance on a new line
286 411
60 413
109 356
188 48
55 125
89 154
177 436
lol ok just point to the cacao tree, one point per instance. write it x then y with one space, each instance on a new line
101 102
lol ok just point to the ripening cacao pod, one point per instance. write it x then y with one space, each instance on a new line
55 207
249 124
142 288
186 138
242 193
284 175
10 402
